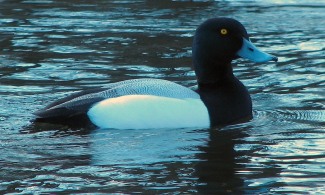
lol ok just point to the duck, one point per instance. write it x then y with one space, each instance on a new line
147 103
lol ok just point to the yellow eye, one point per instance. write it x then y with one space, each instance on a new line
223 31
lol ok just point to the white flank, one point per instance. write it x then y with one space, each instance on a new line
148 111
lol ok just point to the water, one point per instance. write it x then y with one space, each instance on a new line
49 48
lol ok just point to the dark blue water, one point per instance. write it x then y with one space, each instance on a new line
51 48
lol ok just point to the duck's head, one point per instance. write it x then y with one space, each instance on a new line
216 43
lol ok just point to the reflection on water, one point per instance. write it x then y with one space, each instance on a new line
219 163
111 147
50 48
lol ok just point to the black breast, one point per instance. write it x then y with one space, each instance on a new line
227 101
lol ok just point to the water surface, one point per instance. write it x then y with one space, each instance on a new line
49 49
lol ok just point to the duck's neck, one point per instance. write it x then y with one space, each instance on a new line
215 76
226 98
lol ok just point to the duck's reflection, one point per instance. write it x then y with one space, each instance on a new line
143 147
214 162
216 171
180 160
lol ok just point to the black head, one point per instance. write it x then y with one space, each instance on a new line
215 45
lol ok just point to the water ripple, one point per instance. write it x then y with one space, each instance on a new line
295 118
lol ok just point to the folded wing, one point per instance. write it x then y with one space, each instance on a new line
81 102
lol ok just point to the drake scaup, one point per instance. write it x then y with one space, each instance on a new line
220 99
